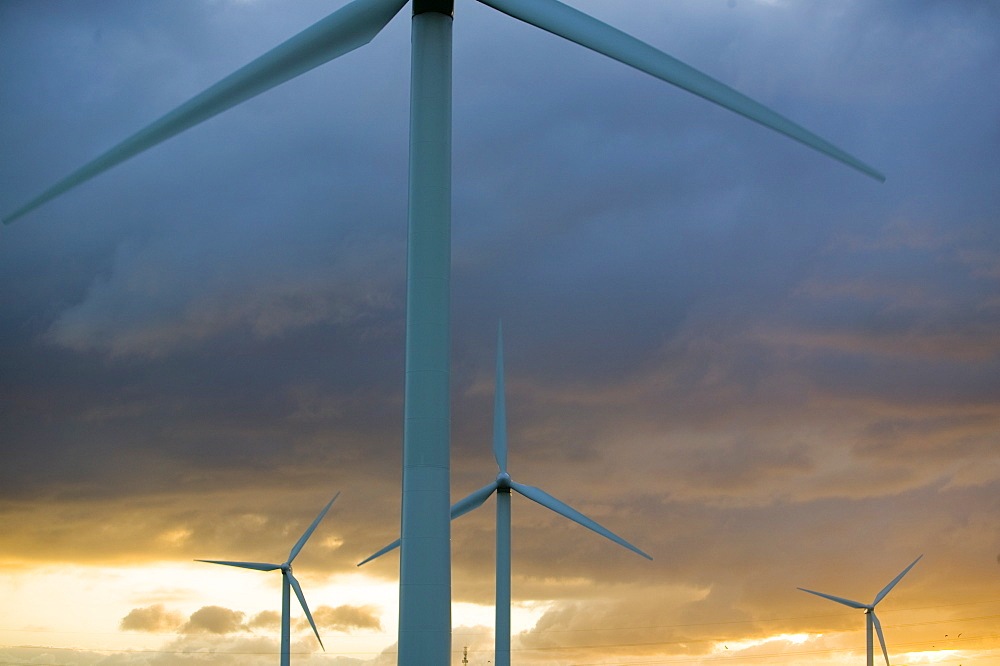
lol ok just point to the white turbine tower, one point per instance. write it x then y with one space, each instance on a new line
870 618
502 486
288 583
425 559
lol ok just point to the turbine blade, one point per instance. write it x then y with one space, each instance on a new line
392 546
259 566
887 588
473 501
881 637
305 607
500 409
459 508
839 600
566 22
344 30
312 528
549 502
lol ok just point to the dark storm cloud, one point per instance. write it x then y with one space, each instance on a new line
626 258
160 292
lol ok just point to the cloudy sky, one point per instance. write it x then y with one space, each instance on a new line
762 367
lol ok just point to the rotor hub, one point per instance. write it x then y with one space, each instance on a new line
503 480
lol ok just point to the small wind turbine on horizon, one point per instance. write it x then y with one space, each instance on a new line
288 583
425 556
502 486
870 618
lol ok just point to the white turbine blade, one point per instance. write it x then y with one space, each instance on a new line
344 30
887 588
259 566
305 607
549 502
459 508
312 528
473 501
881 637
500 409
839 600
392 546
587 31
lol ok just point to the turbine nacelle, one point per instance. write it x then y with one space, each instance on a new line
440 6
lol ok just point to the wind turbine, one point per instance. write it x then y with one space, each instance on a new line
869 609
287 582
502 486
425 559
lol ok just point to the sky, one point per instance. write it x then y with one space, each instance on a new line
763 368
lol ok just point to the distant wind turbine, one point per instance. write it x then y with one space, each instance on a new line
425 558
502 487
869 609
287 581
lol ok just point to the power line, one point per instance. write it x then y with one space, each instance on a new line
605 646
773 655
773 619
933 643
586 629
718 640
132 651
